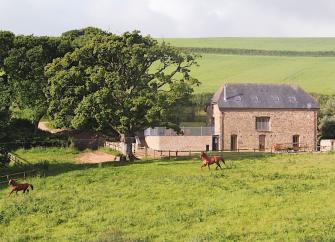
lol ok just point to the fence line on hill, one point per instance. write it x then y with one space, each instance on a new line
24 174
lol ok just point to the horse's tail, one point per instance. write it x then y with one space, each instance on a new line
32 188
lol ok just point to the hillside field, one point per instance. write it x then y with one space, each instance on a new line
291 44
314 74
257 197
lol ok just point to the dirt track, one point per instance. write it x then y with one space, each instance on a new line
43 126
94 157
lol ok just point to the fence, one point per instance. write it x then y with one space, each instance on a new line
4 179
186 131
117 146
180 153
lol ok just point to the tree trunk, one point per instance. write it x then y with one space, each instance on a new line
36 121
127 148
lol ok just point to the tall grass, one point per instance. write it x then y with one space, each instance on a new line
269 198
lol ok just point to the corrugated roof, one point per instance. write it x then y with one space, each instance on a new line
264 96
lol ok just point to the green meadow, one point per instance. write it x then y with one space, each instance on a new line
291 44
314 74
257 197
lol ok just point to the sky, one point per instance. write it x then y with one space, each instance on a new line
173 18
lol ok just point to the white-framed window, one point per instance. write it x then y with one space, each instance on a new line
263 123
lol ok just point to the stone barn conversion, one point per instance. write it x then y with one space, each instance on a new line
263 116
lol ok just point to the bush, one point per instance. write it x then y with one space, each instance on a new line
327 128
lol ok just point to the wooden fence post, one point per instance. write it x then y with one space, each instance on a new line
169 155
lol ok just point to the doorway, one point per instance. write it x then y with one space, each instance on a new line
233 142
295 142
262 142
215 142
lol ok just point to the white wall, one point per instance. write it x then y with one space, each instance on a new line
179 143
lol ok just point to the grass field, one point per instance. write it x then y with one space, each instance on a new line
311 73
291 44
314 74
269 198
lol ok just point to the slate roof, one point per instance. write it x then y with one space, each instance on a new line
263 96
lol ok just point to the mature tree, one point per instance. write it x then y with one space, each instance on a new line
126 83
327 128
6 43
78 37
24 65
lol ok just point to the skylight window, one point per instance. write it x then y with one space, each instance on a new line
255 99
292 99
275 98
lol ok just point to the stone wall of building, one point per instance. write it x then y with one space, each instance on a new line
283 125
179 143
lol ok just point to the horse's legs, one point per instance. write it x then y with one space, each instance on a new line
203 165
11 192
209 166
218 165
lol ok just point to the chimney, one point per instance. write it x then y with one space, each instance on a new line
225 92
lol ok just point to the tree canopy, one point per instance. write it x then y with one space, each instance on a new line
24 67
126 83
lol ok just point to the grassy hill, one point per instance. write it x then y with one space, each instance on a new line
311 73
314 74
293 44
263 198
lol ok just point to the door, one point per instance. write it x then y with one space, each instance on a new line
296 141
233 142
262 142
215 142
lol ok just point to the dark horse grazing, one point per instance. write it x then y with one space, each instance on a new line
19 187
210 160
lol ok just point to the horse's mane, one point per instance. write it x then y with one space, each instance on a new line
204 155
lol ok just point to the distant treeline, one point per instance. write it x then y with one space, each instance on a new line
235 51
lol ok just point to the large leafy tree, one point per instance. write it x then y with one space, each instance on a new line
126 83
24 67
6 44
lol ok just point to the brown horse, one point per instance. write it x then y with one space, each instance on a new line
210 160
19 186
